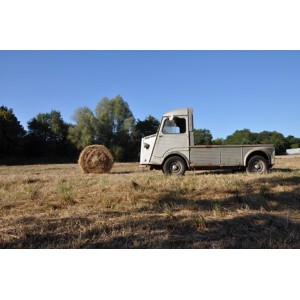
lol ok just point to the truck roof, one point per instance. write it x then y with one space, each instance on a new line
178 112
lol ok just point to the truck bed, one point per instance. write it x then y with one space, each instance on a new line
223 155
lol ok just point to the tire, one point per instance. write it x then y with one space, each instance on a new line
257 164
174 165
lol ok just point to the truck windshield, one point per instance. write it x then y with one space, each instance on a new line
177 125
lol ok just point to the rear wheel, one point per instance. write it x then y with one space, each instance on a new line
257 164
174 165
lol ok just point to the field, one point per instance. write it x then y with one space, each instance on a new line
57 206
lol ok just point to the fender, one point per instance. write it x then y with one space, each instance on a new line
177 153
257 151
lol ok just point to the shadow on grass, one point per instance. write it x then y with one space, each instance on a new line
260 198
241 170
245 220
253 231
122 172
245 232
282 170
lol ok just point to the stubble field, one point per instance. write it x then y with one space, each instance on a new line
57 206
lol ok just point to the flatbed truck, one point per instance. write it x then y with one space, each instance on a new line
173 151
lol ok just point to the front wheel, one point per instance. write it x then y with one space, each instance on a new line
257 164
174 165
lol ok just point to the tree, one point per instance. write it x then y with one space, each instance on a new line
273 137
202 137
115 120
218 141
245 136
115 126
47 135
11 133
111 125
293 142
241 137
147 127
84 133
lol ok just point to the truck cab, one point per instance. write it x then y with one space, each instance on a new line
172 149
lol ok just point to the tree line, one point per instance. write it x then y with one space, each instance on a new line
245 136
50 139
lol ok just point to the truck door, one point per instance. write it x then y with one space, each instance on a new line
172 135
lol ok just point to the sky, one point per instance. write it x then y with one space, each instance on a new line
228 90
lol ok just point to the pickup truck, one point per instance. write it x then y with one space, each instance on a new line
173 151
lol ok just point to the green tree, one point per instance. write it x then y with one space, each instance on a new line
218 141
241 137
105 122
111 125
84 133
273 137
245 136
202 137
147 127
292 142
11 133
115 123
47 135
115 120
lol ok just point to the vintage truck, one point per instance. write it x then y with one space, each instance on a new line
173 151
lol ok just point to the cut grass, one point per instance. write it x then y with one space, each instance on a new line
56 206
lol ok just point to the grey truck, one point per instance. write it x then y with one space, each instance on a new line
173 151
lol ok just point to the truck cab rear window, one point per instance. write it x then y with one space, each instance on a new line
175 126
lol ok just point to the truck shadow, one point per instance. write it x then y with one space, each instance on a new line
233 171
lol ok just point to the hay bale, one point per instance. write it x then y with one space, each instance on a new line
96 159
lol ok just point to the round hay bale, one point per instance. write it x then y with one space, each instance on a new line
96 159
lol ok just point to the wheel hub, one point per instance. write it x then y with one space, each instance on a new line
175 167
257 167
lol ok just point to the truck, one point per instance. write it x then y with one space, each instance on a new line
172 149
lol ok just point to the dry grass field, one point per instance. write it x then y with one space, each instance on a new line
57 206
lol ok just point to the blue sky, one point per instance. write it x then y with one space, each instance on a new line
228 90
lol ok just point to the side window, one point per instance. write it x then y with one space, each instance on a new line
174 126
